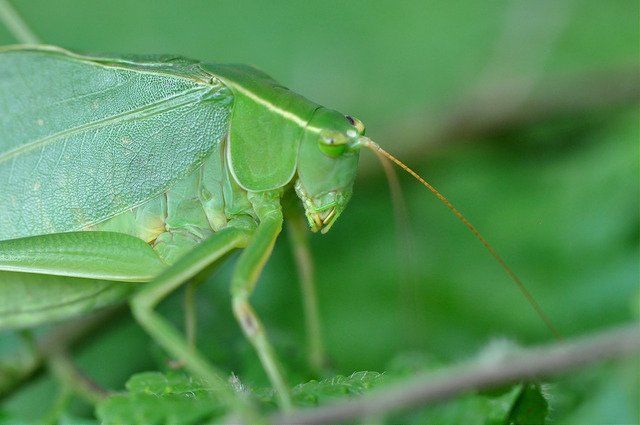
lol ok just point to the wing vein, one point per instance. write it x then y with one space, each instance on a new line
188 96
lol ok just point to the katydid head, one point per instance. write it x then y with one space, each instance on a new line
327 166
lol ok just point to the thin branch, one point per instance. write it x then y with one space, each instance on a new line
428 388
495 110
61 338
16 26
63 367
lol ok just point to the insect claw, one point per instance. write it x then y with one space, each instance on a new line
327 218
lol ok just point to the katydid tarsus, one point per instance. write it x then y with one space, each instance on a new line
119 171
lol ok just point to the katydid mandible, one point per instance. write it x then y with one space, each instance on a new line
123 170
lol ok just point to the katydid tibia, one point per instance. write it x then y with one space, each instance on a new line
150 169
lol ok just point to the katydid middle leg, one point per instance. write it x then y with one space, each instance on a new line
144 302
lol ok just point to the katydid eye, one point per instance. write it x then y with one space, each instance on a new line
356 123
332 146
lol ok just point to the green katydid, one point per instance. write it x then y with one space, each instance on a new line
150 169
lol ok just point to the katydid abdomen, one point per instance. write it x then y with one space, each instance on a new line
190 211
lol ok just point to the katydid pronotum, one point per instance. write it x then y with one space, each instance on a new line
151 169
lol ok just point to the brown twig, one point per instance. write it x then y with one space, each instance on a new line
428 388
59 340
64 368
498 110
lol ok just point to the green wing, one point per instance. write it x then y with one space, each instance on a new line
85 138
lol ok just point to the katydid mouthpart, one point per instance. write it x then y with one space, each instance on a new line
151 169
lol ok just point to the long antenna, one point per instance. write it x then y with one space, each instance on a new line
376 148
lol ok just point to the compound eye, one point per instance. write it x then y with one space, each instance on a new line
332 144
356 123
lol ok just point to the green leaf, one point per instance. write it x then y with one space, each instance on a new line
496 408
156 398
176 398
530 407
315 393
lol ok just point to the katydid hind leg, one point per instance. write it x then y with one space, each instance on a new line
123 258
144 303
55 276
245 276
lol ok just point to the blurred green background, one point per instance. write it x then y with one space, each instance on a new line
524 113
